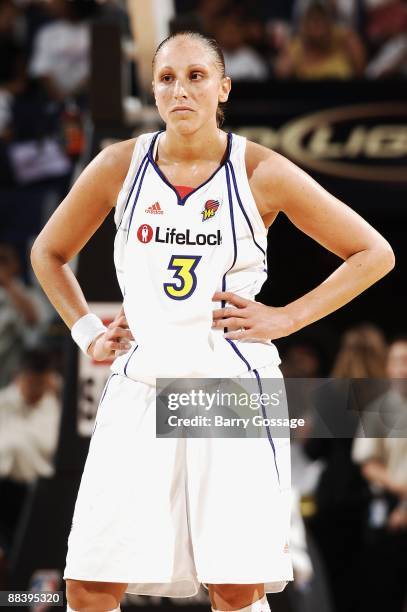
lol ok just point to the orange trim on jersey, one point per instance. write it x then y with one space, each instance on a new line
183 191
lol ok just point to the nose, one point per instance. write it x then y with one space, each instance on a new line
179 90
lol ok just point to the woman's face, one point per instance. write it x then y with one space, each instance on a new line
188 85
317 30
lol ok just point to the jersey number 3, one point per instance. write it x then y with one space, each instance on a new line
184 266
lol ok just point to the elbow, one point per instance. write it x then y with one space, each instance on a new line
35 249
40 253
33 256
40 258
389 258
36 255
386 259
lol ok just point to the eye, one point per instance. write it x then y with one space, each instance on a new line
166 78
196 76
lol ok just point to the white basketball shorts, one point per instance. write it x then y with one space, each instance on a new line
166 514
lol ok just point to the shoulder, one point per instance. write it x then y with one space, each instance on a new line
103 177
264 161
112 165
274 180
267 169
117 156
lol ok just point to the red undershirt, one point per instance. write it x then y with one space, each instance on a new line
183 191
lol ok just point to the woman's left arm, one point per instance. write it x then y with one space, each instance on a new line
282 186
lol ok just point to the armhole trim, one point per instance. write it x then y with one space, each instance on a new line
251 202
138 155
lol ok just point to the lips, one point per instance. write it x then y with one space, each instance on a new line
181 109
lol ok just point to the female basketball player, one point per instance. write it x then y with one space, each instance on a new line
193 205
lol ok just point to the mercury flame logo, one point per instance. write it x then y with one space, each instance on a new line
209 210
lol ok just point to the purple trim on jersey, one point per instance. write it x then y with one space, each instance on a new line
136 198
106 386
242 357
232 218
245 214
132 188
232 221
128 361
181 201
266 426
223 303
102 398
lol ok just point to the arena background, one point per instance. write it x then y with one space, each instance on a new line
351 136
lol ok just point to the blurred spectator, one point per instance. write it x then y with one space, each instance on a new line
341 496
21 312
241 61
301 360
29 425
12 74
322 49
346 12
256 36
34 15
390 60
334 39
29 419
387 35
11 52
384 466
278 34
363 354
61 49
385 19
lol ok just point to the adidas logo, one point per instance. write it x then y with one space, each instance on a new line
155 209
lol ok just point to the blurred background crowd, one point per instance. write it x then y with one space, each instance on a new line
304 39
351 492
45 46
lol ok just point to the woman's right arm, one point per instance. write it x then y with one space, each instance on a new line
76 219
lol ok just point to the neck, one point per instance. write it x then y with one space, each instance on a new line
203 144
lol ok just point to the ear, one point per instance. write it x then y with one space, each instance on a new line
225 89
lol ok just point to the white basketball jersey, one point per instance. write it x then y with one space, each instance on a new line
172 254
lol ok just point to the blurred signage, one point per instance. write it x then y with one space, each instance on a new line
362 141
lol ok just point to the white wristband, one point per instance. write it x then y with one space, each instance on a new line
85 330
